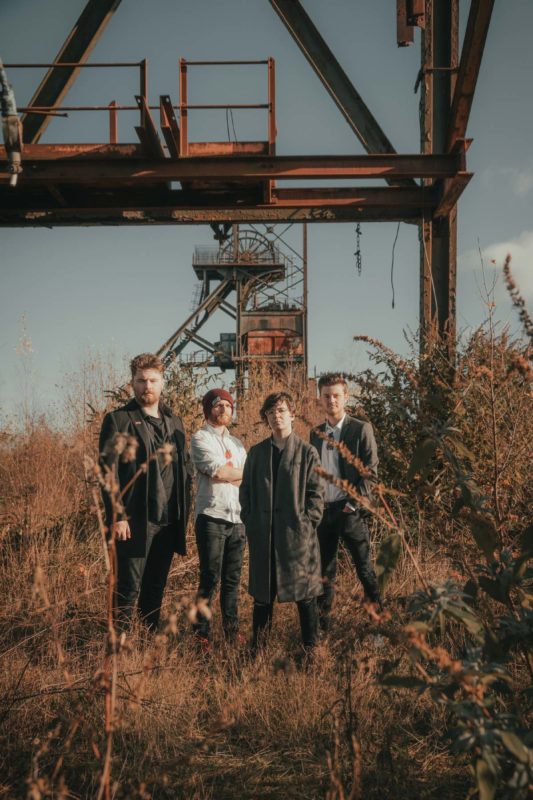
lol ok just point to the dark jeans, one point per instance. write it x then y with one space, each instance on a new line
262 622
221 550
352 530
142 580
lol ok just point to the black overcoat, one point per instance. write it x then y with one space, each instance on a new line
293 514
358 436
129 420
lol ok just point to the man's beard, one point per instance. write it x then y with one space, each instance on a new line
222 419
147 398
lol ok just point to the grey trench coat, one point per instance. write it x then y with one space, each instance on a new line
293 514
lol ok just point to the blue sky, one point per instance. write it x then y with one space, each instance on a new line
126 290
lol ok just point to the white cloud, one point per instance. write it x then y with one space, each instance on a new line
522 183
521 252
520 180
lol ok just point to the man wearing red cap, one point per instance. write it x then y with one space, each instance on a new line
219 459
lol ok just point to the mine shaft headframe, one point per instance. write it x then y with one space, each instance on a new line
269 280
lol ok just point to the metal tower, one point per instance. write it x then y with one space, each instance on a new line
268 280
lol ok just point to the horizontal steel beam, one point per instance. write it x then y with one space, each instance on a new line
57 152
368 197
393 197
46 217
147 197
107 171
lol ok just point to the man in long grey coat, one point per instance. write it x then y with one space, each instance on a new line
281 506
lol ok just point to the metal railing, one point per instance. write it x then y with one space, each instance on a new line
112 107
213 255
185 106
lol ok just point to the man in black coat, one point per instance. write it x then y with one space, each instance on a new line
343 519
152 524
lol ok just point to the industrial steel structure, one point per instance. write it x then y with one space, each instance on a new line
268 278
115 183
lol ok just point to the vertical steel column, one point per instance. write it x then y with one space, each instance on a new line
404 32
143 89
438 238
271 107
240 365
305 297
271 123
184 144
113 122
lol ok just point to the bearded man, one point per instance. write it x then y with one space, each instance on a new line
219 459
154 484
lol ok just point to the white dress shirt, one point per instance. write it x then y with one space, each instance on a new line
210 451
330 461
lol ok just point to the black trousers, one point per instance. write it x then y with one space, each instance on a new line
352 530
262 622
220 550
142 581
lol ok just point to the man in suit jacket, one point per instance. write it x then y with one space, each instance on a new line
281 506
343 519
152 523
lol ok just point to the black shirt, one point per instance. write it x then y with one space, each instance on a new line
276 458
161 503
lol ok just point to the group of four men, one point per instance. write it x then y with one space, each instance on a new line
273 497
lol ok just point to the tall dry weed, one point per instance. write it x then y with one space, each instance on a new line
224 726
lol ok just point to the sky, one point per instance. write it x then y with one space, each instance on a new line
70 293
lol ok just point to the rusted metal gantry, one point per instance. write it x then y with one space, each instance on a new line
224 183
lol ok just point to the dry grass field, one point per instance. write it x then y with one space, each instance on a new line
188 726
430 700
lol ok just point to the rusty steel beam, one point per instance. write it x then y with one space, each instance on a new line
451 191
438 237
416 13
76 49
169 126
147 131
471 54
321 58
396 198
79 152
405 34
177 207
74 217
108 171
364 197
